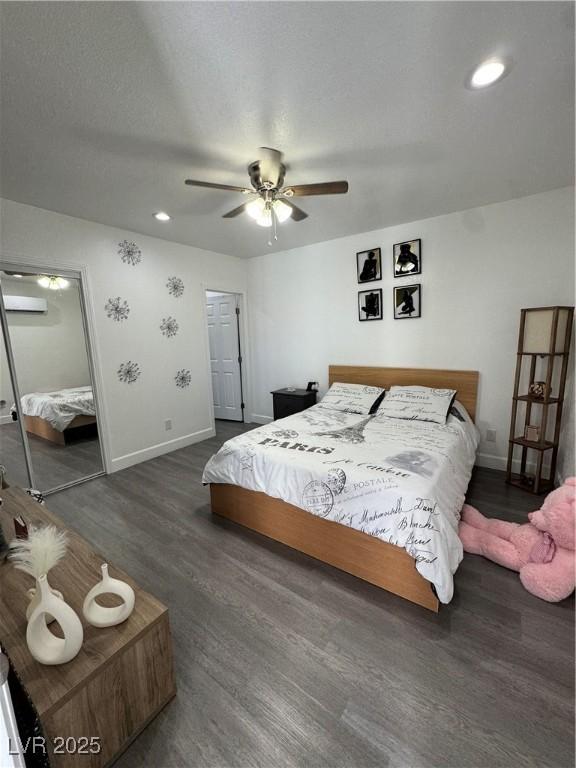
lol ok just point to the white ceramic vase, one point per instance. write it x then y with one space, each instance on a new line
44 646
34 595
98 615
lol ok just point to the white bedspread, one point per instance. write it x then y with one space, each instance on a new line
61 407
401 481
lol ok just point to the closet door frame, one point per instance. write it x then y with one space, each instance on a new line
13 263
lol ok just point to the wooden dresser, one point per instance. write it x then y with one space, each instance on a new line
121 678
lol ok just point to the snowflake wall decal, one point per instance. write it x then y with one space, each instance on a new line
169 326
117 309
183 378
175 287
129 372
129 252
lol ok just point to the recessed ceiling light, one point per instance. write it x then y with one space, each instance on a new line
16 275
488 73
161 216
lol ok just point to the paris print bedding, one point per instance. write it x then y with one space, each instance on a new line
401 481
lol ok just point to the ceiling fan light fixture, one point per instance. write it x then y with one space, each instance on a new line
261 211
269 202
281 210
265 218
255 208
53 283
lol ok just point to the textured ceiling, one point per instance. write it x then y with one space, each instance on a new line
107 107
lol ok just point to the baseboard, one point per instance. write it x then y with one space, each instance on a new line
501 462
6 419
491 461
128 460
259 418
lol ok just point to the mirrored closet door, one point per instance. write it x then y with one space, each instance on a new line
50 415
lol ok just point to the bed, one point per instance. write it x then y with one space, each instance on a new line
49 415
374 496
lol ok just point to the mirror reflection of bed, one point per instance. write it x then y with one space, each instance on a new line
64 447
57 404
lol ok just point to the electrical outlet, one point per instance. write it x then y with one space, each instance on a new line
490 435
168 425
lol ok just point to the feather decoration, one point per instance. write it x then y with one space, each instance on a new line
40 552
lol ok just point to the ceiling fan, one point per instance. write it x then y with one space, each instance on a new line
268 201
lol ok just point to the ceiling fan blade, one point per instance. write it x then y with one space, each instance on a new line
210 185
235 211
270 164
326 188
297 213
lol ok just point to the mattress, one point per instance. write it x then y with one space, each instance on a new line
59 408
402 481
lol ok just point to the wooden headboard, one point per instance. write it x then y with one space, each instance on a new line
464 382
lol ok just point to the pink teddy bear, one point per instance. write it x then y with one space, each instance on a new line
541 550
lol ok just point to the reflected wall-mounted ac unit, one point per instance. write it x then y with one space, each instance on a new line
25 304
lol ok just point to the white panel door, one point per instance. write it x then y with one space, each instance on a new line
224 356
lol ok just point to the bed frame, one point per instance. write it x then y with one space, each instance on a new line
39 427
364 556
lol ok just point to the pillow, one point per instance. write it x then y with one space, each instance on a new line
458 411
418 403
353 398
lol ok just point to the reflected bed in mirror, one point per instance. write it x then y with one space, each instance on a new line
54 415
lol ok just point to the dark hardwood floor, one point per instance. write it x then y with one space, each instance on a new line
283 661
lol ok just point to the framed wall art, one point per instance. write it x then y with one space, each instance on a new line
370 304
407 301
407 258
369 265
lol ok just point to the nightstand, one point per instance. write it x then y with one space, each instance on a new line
286 402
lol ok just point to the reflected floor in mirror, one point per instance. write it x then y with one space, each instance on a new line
53 465
12 455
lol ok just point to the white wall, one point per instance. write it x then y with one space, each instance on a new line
134 414
49 347
479 268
